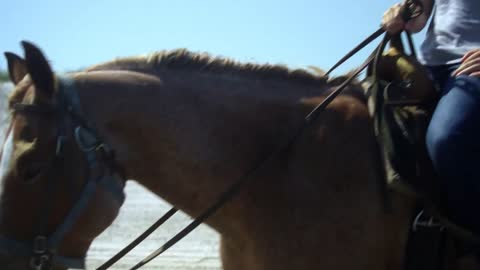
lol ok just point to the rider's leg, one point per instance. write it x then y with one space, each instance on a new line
453 142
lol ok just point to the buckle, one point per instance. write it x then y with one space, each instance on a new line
40 262
423 221
41 258
40 245
86 141
59 147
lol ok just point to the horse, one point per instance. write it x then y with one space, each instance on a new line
185 125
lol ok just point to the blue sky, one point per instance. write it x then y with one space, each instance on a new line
75 34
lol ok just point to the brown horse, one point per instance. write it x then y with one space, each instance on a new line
186 126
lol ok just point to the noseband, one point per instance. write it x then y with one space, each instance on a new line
103 171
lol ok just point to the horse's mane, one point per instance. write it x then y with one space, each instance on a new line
204 62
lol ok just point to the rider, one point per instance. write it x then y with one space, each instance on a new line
451 53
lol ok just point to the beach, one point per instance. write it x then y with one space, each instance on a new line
198 251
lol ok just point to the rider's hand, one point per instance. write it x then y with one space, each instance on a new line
470 64
392 20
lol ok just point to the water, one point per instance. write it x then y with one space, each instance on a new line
198 251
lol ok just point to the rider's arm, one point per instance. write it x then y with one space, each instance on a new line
392 19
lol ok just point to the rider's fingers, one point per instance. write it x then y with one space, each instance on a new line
470 63
392 20
475 74
468 69
471 54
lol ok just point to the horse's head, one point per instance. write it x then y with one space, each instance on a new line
58 183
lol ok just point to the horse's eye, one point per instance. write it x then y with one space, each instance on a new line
27 134
32 172
29 168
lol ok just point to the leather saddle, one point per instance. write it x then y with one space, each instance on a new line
401 100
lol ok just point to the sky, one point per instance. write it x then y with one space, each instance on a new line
77 34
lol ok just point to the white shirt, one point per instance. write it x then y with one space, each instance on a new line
453 31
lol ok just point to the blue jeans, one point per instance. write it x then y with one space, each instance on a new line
453 143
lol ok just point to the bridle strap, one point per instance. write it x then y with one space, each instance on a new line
13 247
31 108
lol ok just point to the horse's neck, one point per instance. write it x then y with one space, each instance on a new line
187 138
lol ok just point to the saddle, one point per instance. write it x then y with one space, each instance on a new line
401 100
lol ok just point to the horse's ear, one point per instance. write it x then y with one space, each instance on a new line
39 70
17 69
